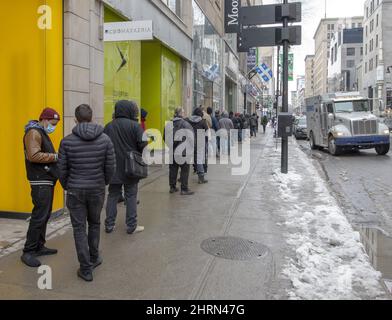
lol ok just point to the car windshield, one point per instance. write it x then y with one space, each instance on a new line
352 106
302 121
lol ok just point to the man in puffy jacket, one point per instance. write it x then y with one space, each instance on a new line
127 135
86 166
40 159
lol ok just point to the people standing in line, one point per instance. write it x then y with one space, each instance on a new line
126 135
86 165
198 123
253 125
208 119
143 120
226 124
41 166
215 127
217 117
264 123
180 124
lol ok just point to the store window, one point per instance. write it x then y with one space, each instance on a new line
208 62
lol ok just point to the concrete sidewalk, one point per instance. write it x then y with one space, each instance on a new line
287 214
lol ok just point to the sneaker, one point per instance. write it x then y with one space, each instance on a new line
173 190
30 260
85 275
137 230
109 229
97 262
45 252
187 193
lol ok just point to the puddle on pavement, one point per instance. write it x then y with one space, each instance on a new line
378 246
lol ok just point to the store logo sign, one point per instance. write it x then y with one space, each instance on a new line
128 31
232 16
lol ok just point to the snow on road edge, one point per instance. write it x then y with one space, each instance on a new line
330 262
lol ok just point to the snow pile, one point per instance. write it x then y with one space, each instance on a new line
330 262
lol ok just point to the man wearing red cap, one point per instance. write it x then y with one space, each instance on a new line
40 159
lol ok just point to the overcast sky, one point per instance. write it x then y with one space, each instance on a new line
313 11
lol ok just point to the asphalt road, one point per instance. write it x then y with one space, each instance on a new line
362 182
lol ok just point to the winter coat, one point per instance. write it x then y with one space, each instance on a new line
86 158
226 123
215 124
198 123
180 124
253 122
126 135
40 156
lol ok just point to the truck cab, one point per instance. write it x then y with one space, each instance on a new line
343 121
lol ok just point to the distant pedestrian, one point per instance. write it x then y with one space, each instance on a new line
143 120
40 160
199 124
253 125
180 124
86 166
227 125
264 123
126 135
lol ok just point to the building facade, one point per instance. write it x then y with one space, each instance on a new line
377 60
322 38
346 54
309 76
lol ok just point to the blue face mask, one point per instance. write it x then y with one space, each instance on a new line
50 129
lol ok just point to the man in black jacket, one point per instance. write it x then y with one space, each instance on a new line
126 135
40 159
86 166
199 124
180 158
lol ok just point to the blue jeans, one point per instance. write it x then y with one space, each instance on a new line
115 192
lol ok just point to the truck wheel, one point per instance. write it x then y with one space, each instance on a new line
311 142
332 147
383 149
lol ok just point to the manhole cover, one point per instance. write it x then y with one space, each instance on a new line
232 248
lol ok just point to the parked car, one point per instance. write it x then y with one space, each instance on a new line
300 128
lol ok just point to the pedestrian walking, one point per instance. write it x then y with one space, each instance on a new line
41 167
198 123
86 165
264 123
253 125
178 124
126 135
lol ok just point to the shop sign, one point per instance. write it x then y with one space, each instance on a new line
232 16
128 31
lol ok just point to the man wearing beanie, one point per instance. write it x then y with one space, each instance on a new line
40 159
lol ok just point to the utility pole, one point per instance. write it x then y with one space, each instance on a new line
277 82
285 96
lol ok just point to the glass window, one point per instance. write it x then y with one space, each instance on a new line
174 5
352 106
350 63
351 51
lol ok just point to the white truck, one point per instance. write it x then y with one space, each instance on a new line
343 121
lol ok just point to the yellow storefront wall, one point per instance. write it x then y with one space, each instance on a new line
31 78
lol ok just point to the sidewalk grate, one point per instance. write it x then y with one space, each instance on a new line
232 248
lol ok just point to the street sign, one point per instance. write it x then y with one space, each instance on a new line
270 14
232 16
268 37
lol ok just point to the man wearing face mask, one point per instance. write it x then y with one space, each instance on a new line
40 159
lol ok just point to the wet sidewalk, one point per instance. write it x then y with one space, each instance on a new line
287 239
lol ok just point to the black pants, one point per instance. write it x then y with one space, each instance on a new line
185 168
85 206
42 197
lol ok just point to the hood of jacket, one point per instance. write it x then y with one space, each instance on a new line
195 119
34 124
88 131
126 109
